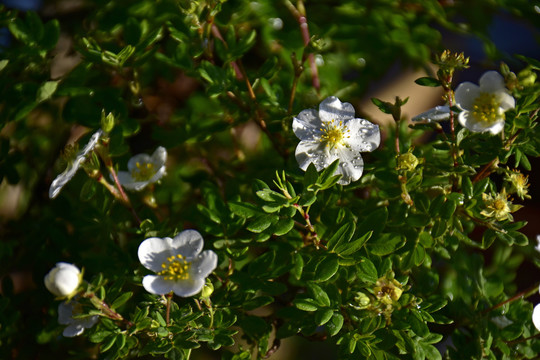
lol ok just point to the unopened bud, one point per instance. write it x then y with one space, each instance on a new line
63 280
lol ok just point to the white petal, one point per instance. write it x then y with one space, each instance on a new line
91 143
159 157
62 179
491 82
438 113
73 330
154 251
139 158
351 166
189 243
364 135
466 93
536 317
158 175
507 101
190 287
204 264
315 152
307 125
157 285
333 109
466 119
537 247
65 313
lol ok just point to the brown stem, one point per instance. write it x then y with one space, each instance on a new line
234 64
525 293
168 313
124 196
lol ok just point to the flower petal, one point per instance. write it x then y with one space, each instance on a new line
153 252
438 113
351 166
307 125
365 136
73 330
189 243
315 152
466 119
159 157
158 175
536 317
507 101
332 108
204 264
65 313
157 285
492 81
63 178
466 93
190 287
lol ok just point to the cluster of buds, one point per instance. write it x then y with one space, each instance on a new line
381 299
448 63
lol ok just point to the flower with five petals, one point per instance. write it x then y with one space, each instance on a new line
144 170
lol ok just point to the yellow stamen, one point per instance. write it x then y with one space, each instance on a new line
333 134
486 108
176 268
143 172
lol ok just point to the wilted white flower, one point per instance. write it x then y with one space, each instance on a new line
75 326
62 179
484 106
536 316
63 280
438 113
144 170
180 265
334 133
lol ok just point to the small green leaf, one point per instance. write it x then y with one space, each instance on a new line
283 226
121 300
335 324
305 304
243 209
343 235
322 316
350 248
318 294
366 271
428 81
326 269
262 223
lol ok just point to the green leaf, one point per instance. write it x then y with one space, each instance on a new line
326 269
107 343
335 324
344 234
318 294
384 106
375 221
327 178
311 176
418 325
353 246
386 244
46 90
121 300
243 209
262 223
305 304
322 316
283 226
366 271
428 81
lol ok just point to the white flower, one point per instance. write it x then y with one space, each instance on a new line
438 113
536 316
63 280
72 168
75 326
144 170
179 264
484 106
334 133
537 247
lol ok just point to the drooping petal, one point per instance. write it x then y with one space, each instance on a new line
73 330
158 175
139 158
153 252
506 100
438 113
189 287
308 152
307 125
491 81
189 243
204 264
157 285
333 109
351 166
364 135
466 93
159 157
63 178
536 317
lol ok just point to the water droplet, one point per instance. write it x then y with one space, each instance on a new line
344 165
357 167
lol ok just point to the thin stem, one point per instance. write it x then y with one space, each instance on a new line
107 311
124 196
234 64
524 294
168 313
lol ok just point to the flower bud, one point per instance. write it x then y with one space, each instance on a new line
407 161
63 280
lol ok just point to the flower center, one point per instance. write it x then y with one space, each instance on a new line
333 134
486 108
499 205
175 268
143 172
